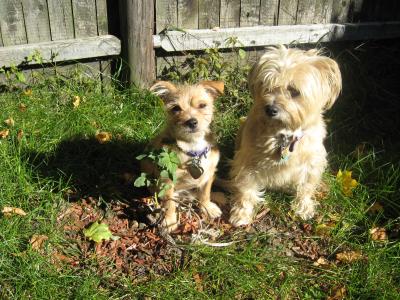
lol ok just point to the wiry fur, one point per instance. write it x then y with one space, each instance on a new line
194 102
301 85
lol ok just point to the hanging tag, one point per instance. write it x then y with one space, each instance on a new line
285 152
194 168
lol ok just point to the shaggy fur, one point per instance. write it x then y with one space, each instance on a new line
189 111
291 89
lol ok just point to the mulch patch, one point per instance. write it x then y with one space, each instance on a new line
143 249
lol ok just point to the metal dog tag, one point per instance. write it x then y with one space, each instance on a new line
194 168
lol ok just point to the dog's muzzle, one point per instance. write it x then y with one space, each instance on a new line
271 110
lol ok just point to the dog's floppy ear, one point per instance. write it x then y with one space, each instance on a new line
163 89
216 88
331 79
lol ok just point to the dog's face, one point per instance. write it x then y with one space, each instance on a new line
189 107
292 87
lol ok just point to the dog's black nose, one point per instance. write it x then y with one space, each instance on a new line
191 123
271 110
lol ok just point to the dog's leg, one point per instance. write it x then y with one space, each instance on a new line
170 221
207 207
245 199
304 205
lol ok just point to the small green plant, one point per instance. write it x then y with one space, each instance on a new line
167 162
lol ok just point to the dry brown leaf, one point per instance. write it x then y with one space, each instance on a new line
4 133
349 256
378 234
37 241
103 137
20 134
376 208
76 101
22 107
338 293
322 261
9 122
198 281
9 211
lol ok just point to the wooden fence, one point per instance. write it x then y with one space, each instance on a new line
60 30
152 32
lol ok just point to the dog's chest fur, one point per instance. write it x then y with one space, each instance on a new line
272 172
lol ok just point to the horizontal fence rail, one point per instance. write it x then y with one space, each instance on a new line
62 50
200 39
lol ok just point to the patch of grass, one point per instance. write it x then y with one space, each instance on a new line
51 156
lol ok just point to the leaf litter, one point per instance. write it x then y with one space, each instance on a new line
143 250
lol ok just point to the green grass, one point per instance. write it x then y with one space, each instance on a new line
58 153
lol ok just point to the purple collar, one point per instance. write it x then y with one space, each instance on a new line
199 154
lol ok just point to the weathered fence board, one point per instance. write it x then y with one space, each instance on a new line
61 20
249 13
167 14
230 13
269 12
36 17
84 12
270 35
188 14
12 23
209 13
287 12
73 49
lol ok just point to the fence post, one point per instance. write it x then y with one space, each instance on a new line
139 41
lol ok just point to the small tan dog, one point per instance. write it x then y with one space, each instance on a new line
189 111
280 145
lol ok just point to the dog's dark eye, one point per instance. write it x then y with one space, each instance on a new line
176 109
293 92
202 105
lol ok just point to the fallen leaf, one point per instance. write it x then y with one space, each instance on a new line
37 241
338 293
4 133
198 281
76 101
378 234
322 261
346 181
376 208
98 232
349 256
22 107
9 122
103 137
260 267
242 120
20 134
9 211
324 229
27 92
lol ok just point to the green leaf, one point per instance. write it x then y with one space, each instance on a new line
164 188
98 232
242 53
141 180
20 76
141 156
164 174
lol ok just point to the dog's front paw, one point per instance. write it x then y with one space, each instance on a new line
305 208
211 210
241 216
169 223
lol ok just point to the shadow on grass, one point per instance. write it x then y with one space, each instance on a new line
92 169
